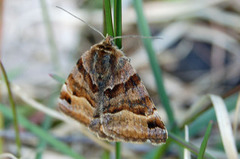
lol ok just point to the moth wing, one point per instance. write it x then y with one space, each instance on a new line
128 112
78 98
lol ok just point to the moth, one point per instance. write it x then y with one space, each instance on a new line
104 93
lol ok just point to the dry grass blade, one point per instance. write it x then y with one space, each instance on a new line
38 106
237 111
187 154
222 119
224 126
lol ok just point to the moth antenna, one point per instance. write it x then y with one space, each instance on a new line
136 36
93 28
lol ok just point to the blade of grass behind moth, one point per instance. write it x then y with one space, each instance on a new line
144 30
224 125
205 140
107 18
108 30
118 32
118 21
43 135
14 111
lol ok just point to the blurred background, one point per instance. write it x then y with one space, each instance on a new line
198 51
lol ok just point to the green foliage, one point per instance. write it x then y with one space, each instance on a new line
41 133
14 110
205 140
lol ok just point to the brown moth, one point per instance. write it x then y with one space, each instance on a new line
104 93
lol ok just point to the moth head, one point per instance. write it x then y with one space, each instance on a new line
108 40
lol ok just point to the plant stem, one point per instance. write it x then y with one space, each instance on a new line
205 140
107 16
14 111
118 42
187 145
118 150
108 30
118 21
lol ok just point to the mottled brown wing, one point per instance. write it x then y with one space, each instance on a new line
129 113
78 97
125 111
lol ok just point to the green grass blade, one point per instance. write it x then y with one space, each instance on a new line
107 18
118 150
50 35
108 29
187 145
14 111
144 30
118 42
39 132
45 126
118 21
205 140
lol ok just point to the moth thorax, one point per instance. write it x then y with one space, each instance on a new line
103 66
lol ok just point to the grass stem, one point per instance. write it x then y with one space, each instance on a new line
14 111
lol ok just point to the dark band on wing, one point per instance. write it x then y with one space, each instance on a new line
122 88
155 122
86 76
139 106
79 90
